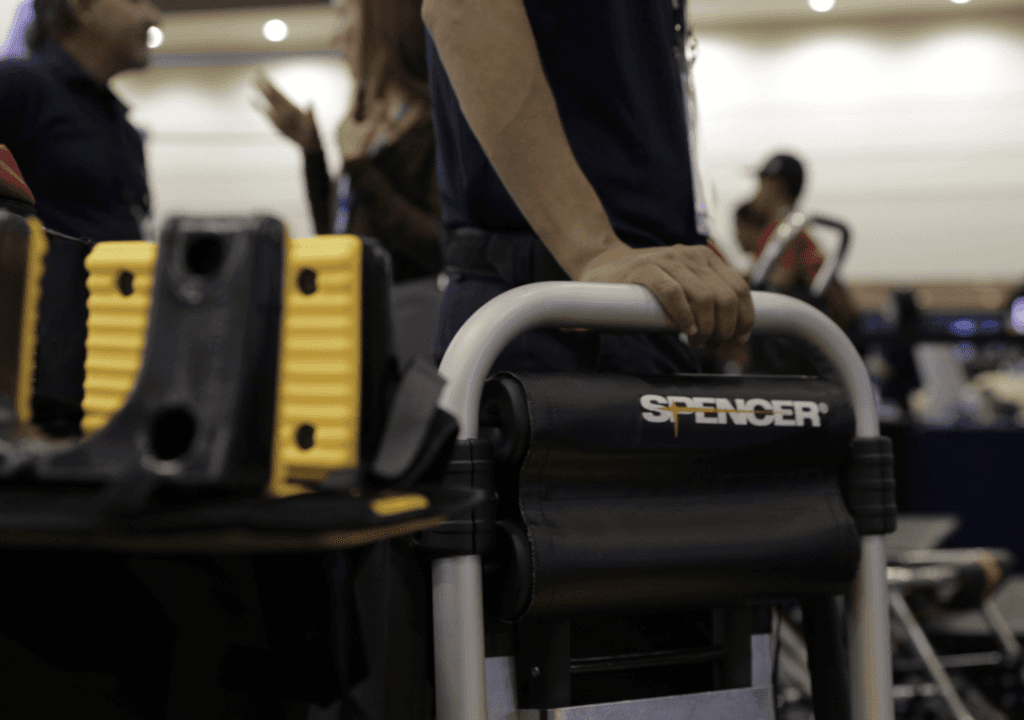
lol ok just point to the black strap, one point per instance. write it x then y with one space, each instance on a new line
54 235
417 433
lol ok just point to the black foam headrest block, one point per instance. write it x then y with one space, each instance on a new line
649 493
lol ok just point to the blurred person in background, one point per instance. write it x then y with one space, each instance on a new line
80 635
780 182
14 44
104 634
388 186
84 163
388 191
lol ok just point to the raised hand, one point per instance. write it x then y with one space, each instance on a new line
356 137
294 123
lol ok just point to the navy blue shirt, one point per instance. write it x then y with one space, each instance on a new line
613 69
74 145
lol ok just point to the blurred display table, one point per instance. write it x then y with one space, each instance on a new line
976 473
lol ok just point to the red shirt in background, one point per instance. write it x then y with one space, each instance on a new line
801 253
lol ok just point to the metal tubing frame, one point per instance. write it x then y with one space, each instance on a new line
932 662
458 597
786 231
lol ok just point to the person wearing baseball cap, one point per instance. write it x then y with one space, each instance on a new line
781 182
788 171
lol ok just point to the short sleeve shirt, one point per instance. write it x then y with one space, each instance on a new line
77 151
612 67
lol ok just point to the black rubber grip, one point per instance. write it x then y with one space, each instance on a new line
869 486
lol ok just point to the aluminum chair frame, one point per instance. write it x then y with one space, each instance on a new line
461 684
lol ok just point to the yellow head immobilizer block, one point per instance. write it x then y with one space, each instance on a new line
38 247
120 289
318 394
318 390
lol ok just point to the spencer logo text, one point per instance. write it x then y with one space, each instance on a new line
738 411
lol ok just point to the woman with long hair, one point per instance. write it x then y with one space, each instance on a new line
388 188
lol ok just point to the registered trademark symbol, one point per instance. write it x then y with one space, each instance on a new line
823 408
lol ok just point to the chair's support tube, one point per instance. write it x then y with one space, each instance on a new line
459 638
1003 632
460 681
870 642
870 645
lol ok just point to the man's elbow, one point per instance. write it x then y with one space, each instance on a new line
430 11
437 14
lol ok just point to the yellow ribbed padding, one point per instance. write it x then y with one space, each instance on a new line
117 325
318 375
35 266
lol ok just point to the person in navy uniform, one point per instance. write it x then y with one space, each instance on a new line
564 153
84 163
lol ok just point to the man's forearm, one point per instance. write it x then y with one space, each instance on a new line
490 54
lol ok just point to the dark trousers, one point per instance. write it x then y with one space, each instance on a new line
107 635
414 307
389 633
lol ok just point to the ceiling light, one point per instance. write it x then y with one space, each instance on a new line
275 30
154 37
961 2
821 5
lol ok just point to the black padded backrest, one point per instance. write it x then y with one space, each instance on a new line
638 494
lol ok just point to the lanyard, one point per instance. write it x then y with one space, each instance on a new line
685 47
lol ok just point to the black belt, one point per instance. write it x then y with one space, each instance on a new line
517 258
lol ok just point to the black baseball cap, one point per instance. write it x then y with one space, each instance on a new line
789 170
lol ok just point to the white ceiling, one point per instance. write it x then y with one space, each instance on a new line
714 12
311 27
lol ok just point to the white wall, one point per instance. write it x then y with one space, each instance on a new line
209 150
912 129
7 10
11 35
913 132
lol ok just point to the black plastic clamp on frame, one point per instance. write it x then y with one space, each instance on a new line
869 485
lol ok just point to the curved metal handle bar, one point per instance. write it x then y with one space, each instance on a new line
783 236
457 581
615 307
827 272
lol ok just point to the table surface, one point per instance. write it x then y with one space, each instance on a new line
230 541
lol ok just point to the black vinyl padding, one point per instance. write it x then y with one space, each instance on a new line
623 515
